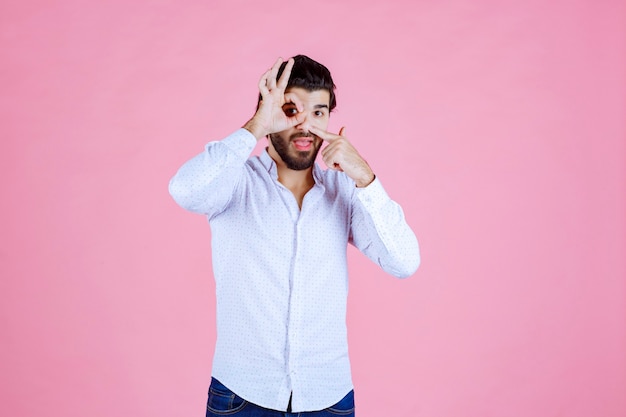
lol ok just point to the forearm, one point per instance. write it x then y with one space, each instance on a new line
381 232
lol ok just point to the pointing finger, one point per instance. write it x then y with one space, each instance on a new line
327 136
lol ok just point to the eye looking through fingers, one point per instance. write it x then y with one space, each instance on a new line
290 110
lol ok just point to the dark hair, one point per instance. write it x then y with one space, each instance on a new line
310 75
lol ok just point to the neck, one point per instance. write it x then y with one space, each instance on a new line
291 178
296 181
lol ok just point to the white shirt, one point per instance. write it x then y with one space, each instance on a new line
281 271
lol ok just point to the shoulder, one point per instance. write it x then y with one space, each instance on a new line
255 166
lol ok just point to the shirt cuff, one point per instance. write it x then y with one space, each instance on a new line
373 196
241 141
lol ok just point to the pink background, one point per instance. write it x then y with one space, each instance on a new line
498 125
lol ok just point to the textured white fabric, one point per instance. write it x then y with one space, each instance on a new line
281 272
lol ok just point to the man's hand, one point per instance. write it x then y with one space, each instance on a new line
270 117
342 156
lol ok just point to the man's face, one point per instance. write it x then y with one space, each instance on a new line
296 147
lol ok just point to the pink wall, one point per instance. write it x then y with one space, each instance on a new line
499 126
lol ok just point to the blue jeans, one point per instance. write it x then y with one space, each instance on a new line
224 402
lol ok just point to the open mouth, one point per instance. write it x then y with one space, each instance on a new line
303 143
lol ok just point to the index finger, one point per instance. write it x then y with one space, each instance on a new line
327 136
292 98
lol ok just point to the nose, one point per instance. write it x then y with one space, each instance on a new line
306 124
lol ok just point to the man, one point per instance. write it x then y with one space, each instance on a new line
280 227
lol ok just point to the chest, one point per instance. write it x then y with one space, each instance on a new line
270 215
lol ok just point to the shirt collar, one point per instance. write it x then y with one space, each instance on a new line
269 164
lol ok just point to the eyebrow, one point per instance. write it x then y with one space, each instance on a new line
317 106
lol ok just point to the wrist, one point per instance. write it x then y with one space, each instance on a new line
365 180
256 129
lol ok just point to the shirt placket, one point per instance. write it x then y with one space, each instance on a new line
296 321
294 327
294 305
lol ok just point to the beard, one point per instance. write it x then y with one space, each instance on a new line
294 159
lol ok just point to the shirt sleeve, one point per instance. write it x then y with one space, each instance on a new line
205 183
380 231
